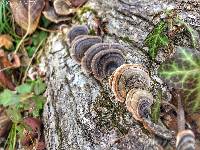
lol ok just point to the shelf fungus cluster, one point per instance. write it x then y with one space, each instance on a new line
59 11
130 83
97 58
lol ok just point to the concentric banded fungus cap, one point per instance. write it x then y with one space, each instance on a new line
81 45
139 102
106 62
63 7
185 140
93 50
51 15
77 31
127 77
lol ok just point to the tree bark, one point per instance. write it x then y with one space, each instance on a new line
81 113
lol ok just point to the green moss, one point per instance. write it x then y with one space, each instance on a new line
111 115
86 9
126 39
92 32
83 10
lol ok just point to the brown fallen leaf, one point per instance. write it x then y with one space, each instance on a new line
78 3
6 82
6 63
22 9
6 41
5 122
37 146
30 135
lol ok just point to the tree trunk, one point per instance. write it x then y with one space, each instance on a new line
81 113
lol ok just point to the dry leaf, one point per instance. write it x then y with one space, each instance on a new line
5 122
6 82
31 135
6 41
5 63
21 10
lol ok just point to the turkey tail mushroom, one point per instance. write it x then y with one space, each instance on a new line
127 77
93 50
106 62
185 140
50 14
139 103
76 31
81 45
63 7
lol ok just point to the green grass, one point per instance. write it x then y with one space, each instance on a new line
6 21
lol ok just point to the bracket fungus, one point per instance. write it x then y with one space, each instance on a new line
129 82
106 62
63 7
51 15
81 45
27 13
59 12
76 31
185 140
93 50
126 77
139 103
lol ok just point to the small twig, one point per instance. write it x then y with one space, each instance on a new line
26 72
47 30
181 114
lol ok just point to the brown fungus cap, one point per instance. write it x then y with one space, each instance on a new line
93 50
105 62
81 45
52 16
76 31
185 140
126 77
63 7
139 102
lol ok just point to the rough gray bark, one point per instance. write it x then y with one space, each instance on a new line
81 113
